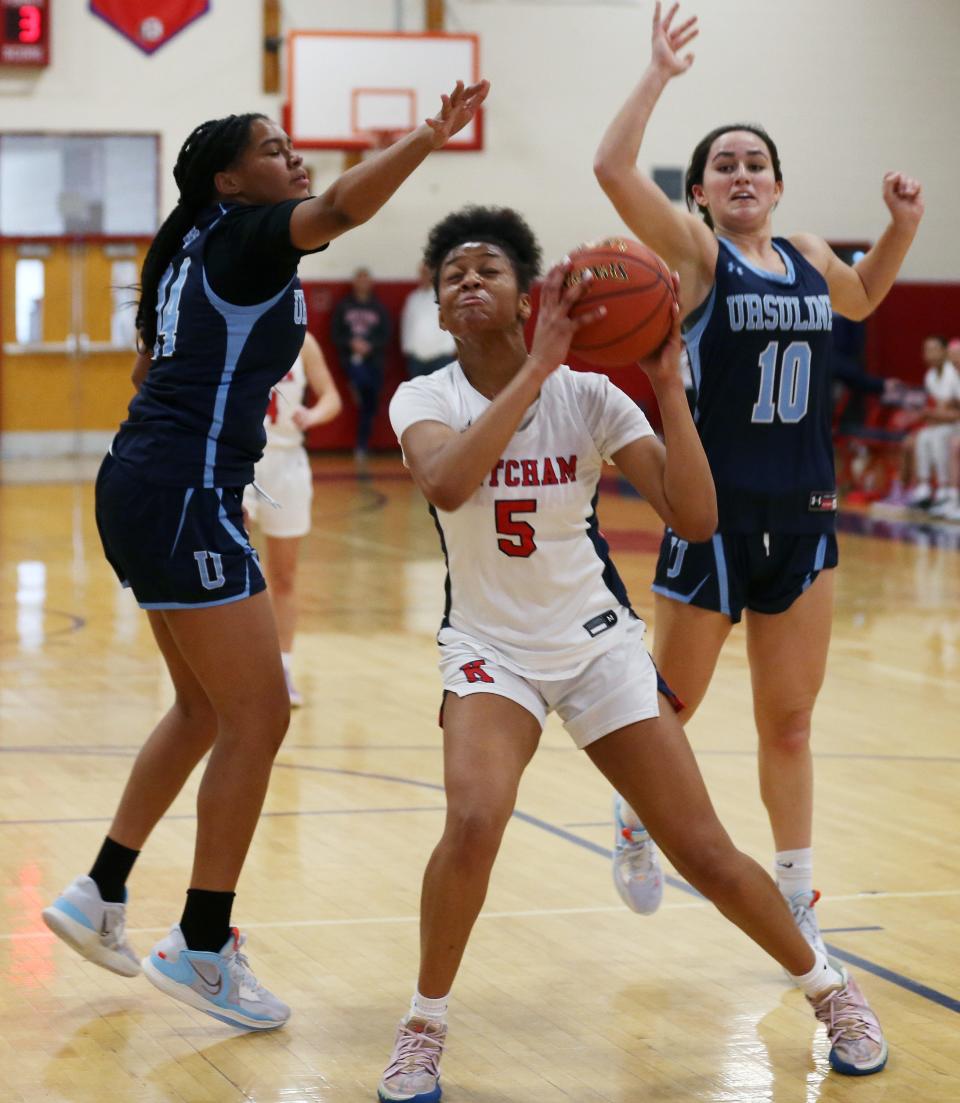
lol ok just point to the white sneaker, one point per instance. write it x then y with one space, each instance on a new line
296 697
94 927
801 905
636 864
220 984
413 1073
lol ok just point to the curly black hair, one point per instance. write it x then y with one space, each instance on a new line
498 226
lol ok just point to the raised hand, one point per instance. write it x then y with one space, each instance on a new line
555 327
904 197
456 111
668 41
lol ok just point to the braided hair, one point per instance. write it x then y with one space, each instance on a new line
212 147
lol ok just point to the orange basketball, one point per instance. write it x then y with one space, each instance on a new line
634 284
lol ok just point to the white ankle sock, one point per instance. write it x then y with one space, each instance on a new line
286 657
821 978
423 1007
793 870
629 817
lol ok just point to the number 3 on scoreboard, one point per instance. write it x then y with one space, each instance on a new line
520 543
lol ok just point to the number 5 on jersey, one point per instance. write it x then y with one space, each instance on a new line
516 537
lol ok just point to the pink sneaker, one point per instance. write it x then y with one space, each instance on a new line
413 1074
857 1044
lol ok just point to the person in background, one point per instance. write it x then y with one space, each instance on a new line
932 447
361 328
908 489
285 483
948 508
426 347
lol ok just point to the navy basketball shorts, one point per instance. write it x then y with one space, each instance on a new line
762 571
175 547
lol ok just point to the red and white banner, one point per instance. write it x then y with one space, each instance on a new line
149 24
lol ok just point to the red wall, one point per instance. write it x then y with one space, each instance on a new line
909 313
894 336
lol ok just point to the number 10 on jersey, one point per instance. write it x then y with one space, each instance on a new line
794 391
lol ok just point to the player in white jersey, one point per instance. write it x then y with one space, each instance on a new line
507 447
283 476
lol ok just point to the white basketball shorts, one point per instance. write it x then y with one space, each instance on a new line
284 474
617 688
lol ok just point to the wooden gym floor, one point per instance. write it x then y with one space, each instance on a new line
564 994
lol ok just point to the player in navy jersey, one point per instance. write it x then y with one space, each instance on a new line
221 319
507 446
757 315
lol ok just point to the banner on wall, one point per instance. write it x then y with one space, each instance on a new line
149 24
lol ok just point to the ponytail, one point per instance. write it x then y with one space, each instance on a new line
211 148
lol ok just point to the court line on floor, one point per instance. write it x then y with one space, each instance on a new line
263 815
898 979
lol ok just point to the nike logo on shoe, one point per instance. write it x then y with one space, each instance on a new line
211 988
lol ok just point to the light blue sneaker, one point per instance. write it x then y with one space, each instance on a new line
222 985
94 927
636 864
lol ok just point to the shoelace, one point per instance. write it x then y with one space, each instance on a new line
636 851
844 1017
417 1051
806 920
240 972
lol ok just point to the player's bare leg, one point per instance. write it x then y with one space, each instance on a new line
487 743
281 570
687 645
652 764
788 656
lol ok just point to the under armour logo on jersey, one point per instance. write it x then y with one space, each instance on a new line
475 672
202 558
731 266
299 308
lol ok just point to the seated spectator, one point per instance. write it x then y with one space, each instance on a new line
948 508
425 345
932 448
902 492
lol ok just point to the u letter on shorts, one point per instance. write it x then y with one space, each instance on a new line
175 547
617 688
763 572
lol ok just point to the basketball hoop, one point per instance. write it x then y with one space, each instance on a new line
382 138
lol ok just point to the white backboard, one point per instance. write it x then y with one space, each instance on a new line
343 85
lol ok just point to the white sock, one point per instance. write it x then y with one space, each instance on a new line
286 657
793 870
821 978
630 818
423 1007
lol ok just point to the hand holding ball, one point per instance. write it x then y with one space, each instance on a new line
635 287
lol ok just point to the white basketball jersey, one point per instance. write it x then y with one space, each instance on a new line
528 570
285 397
943 385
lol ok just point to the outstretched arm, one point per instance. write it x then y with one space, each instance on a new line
675 476
682 239
361 191
857 291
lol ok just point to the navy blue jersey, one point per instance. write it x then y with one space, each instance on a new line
198 417
760 352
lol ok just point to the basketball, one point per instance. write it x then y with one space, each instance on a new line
634 284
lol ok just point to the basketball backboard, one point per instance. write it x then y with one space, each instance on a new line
343 87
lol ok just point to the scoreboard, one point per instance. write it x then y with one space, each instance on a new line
25 33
